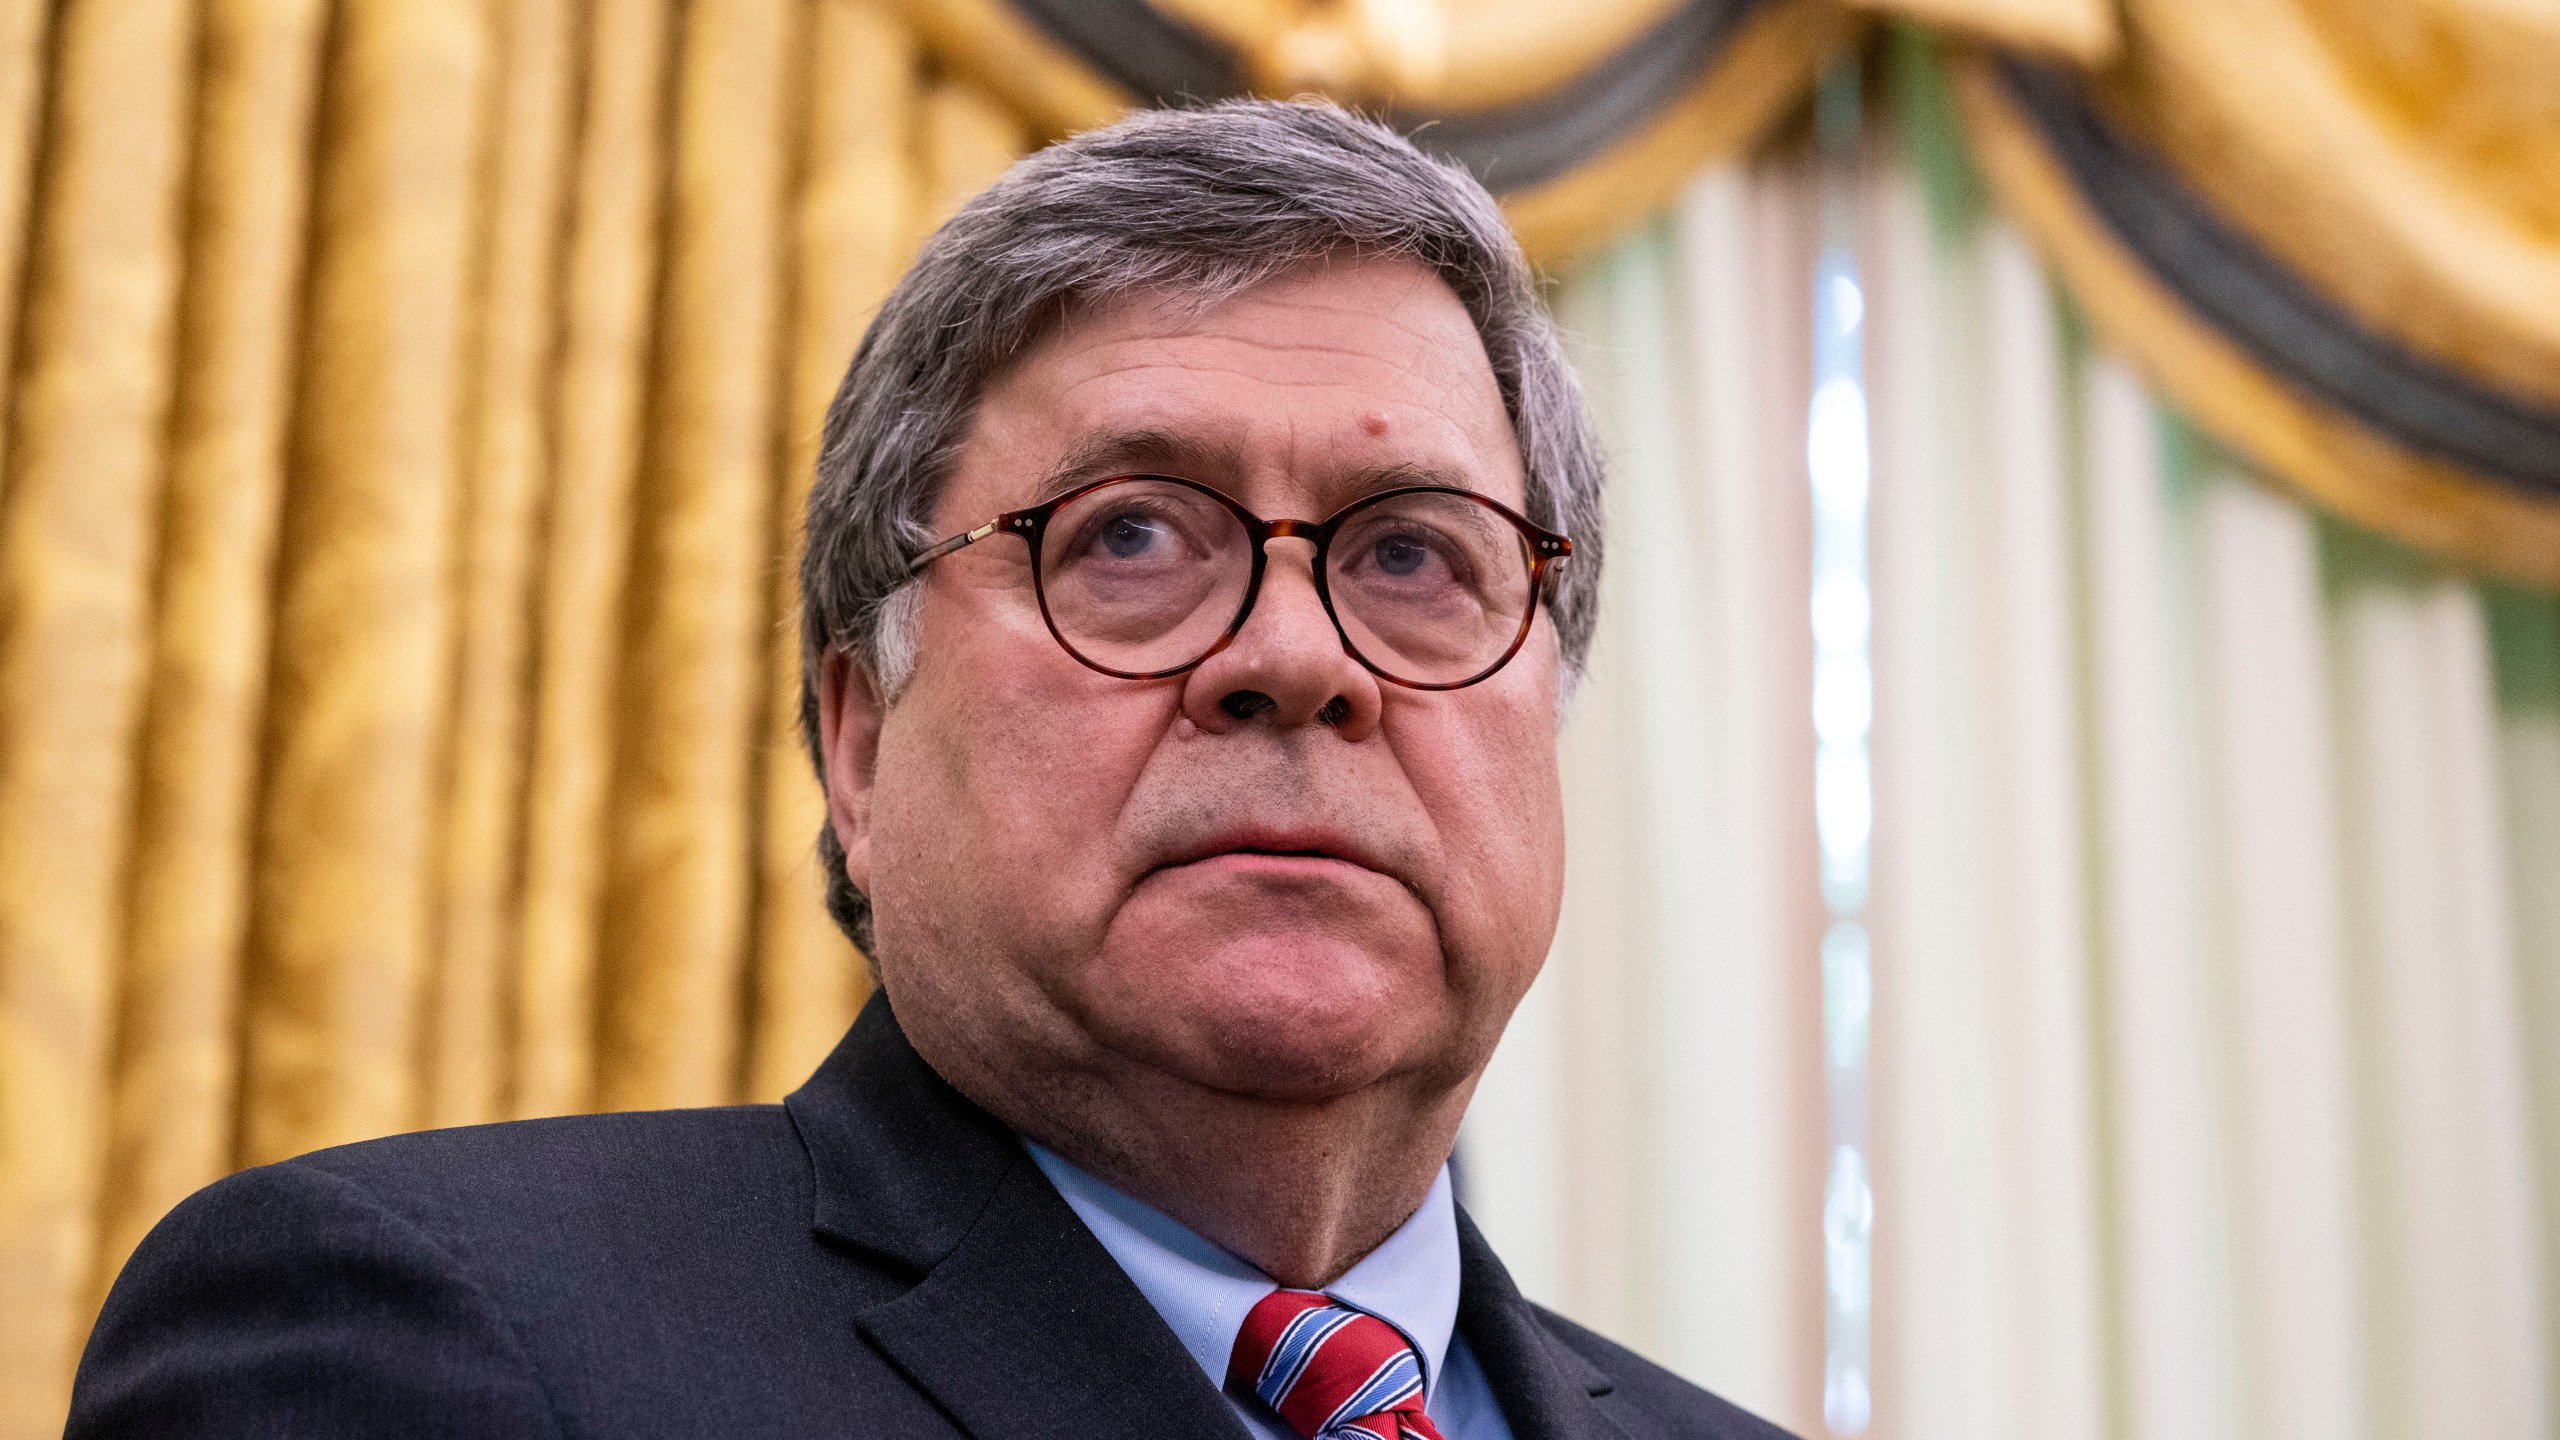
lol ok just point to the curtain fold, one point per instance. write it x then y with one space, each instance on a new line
2355 407
505 451
2457 1333
2271 844
1645 1148
25 33
341 958
1740 1077
693 679
88 426
1986 1302
2085 32
187 912
968 140
2160 1067
609 281
2524 632
855 214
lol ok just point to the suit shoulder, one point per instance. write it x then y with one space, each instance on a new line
464 1274
730 1145
288 1300
558 1195
1671 1405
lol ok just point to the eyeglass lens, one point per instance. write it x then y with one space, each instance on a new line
1144 576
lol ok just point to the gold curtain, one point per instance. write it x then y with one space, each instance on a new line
410 408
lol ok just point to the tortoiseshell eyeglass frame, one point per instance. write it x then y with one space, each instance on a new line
1544 548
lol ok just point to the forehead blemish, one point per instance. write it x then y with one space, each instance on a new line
1374 423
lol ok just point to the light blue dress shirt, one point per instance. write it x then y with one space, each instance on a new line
1410 1281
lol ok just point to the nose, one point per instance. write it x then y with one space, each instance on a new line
1287 667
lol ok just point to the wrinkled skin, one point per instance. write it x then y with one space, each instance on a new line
1246 969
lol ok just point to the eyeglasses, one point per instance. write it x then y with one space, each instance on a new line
1145 576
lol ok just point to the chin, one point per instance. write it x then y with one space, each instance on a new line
1280 1016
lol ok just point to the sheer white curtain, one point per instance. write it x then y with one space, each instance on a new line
2216 917
1646 1150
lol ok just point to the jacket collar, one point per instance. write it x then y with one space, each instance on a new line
1547 1390
1020 1323
904 1163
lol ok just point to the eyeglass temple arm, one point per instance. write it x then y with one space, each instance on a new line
1551 565
942 548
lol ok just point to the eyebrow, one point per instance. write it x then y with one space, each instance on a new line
1148 452
1131 452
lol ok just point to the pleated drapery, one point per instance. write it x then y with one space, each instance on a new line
177 1054
501 482
858 213
339 957
678 859
2215 933
609 277
87 429
1646 1148
408 423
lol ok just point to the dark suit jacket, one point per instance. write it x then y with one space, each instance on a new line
877 1256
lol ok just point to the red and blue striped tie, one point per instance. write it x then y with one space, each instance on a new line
1331 1371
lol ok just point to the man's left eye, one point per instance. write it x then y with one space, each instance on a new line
1401 555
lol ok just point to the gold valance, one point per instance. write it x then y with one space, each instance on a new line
1580 118
2330 229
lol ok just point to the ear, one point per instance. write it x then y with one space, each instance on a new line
849 715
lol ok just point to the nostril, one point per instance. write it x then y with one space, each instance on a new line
1248 704
1335 711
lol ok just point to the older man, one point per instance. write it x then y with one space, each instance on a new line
1204 544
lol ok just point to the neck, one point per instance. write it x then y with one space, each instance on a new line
1302 1189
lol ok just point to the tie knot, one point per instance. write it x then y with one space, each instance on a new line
1330 1370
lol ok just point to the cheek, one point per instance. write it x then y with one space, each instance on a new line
1487 776
994 786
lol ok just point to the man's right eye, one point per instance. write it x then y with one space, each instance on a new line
1128 536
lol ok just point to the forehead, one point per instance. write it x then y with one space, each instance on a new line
1305 389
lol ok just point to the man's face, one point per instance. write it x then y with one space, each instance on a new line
1347 884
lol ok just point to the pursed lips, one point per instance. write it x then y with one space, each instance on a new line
1279 851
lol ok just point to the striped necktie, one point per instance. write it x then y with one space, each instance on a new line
1331 1371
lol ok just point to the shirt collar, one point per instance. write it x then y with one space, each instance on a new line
1410 1281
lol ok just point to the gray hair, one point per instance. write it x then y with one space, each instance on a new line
1202 202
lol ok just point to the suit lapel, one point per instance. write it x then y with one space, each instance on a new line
1031 1328
1547 1391
1021 1324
